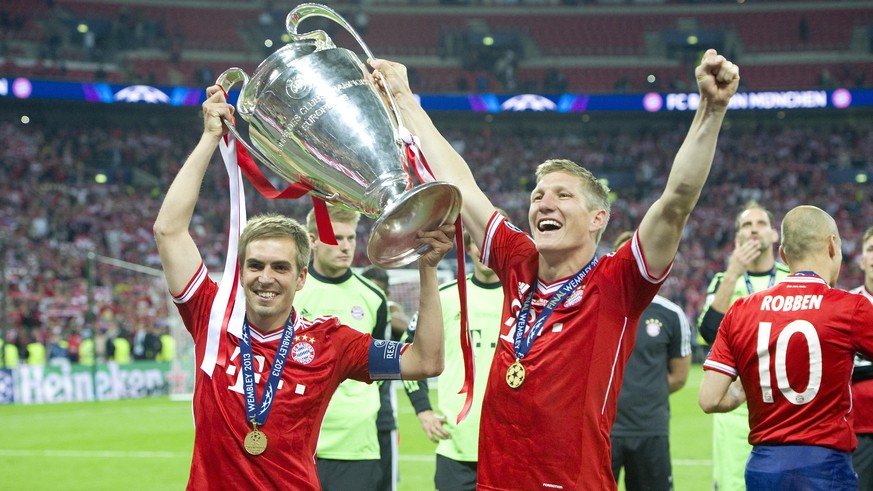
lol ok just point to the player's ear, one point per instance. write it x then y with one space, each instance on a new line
782 254
832 246
598 220
301 278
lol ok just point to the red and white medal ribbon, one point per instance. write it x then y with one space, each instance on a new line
228 308
418 165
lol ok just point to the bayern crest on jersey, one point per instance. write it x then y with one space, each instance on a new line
574 297
653 327
303 353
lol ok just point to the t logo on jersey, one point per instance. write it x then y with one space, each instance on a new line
512 320
233 368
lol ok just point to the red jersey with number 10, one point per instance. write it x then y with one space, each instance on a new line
793 347
552 432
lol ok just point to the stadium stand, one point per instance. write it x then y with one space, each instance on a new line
598 46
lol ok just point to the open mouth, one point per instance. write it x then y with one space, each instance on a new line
548 225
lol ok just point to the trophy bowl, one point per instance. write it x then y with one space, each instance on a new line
424 207
315 117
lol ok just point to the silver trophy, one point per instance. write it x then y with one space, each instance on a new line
314 116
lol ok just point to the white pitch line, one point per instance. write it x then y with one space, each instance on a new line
88 454
692 462
115 454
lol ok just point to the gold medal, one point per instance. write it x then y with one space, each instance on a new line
255 442
515 374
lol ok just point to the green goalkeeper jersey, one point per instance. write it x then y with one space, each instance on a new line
348 431
485 305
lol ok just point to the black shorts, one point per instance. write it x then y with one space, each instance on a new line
862 460
646 462
454 475
348 475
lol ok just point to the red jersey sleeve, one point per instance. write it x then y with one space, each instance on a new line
195 302
720 358
353 348
862 327
505 244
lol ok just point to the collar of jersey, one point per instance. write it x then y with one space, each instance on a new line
482 284
324 279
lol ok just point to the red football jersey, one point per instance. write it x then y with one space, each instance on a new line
323 353
552 432
862 392
793 346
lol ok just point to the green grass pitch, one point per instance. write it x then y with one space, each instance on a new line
146 444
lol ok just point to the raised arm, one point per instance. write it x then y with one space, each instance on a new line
661 227
425 356
445 162
179 255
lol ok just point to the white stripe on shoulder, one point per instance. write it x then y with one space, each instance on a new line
193 285
307 323
720 367
641 261
684 325
862 290
495 222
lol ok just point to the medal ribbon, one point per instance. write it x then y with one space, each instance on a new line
420 167
227 309
257 413
521 344
749 286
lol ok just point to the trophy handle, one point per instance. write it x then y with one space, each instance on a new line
227 80
306 10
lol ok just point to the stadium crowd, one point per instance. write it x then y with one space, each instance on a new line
67 191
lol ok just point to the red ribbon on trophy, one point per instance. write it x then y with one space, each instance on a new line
418 164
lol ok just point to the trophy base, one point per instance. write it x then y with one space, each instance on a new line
424 207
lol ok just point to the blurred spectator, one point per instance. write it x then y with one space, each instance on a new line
146 343
36 352
168 346
803 30
554 82
117 345
58 345
506 70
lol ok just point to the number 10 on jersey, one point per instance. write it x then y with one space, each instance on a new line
805 329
